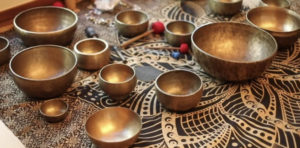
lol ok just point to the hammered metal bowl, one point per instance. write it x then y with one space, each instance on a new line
225 7
130 23
117 80
233 51
46 25
54 110
92 53
113 127
281 23
44 71
4 50
178 32
275 3
179 90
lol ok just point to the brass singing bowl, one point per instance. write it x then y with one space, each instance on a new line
281 23
44 71
179 90
233 51
92 54
54 110
275 3
113 127
178 32
4 50
117 80
46 25
225 7
130 23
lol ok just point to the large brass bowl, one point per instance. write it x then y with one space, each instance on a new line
282 23
46 25
4 50
233 51
275 3
225 7
179 90
44 71
113 127
130 23
117 80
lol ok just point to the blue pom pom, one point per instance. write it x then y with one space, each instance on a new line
175 55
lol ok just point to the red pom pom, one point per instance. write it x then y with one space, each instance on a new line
158 27
184 48
58 4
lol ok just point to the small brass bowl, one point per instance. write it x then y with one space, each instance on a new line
131 23
54 110
46 25
4 50
117 80
113 127
281 23
275 3
179 90
178 32
44 71
92 54
233 51
225 7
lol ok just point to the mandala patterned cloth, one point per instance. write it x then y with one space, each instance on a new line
263 112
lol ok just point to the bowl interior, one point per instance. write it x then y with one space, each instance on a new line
3 43
117 73
179 82
274 19
234 42
54 108
132 17
91 46
277 3
180 27
113 124
43 62
45 19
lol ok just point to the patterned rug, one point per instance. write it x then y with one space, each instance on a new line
263 112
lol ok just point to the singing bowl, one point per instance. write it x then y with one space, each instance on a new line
46 25
178 32
113 127
117 80
225 7
275 3
130 23
44 71
179 90
54 110
233 51
92 54
4 50
281 23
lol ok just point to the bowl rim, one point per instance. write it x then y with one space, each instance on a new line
42 80
170 32
218 1
234 61
179 96
91 54
139 11
278 8
288 6
7 41
45 7
134 74
51 116
110 108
